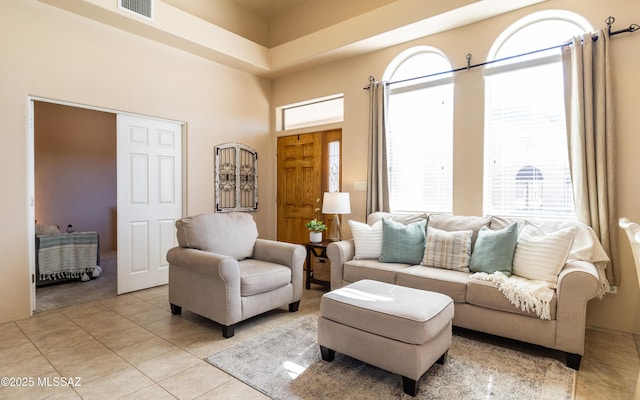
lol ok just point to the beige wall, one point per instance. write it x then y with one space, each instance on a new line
618 312
75 170
50 53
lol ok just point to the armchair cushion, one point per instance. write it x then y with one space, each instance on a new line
261 276
232 234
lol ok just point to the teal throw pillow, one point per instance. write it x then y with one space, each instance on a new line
402 243
494 250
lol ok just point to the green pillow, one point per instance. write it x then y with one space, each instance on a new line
402 243
494 250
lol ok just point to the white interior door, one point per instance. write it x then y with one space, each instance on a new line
149 199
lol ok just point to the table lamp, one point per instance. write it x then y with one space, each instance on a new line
335 203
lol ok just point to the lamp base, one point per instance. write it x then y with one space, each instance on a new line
334 232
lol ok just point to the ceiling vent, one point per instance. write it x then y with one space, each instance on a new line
140 7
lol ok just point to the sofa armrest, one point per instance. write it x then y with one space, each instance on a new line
577 284
283 253
339 253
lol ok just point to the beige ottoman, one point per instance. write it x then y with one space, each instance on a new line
399 329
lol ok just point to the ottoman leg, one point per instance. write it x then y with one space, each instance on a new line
175 310
327 354
410 386
443 358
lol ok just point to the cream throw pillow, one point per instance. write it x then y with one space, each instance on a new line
541 256
367 239
448 250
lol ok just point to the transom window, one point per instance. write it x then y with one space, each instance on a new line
314 112
420 132
526 160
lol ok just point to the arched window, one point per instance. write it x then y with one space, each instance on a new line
420 132
525 127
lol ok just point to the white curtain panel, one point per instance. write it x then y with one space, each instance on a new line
590 132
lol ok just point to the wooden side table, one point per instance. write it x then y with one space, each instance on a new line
319 259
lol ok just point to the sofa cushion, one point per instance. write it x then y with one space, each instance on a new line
258 276
449 250
404 218
540 255
449 223
402 243
449 282
356 270
232 234
367 239
494 250
486 294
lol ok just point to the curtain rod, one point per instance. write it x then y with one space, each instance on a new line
609 21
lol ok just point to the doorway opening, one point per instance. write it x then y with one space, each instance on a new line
76 157
75 188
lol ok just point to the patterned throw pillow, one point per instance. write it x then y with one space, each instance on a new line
540 255
402 243
367 239
448 250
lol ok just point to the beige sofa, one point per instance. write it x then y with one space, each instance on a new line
479 304
223 271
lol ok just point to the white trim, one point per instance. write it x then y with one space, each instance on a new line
544 15
31 215
536 62
405 55
409 87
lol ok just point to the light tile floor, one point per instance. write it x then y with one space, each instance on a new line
131 347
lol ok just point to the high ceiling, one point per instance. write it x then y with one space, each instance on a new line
273 37
269 8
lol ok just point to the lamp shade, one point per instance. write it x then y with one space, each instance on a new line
336 203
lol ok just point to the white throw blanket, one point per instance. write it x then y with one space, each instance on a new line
526 294
531 295
587 247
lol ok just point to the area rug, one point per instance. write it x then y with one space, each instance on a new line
285 364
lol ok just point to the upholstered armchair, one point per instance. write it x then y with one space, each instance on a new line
222 271
632 230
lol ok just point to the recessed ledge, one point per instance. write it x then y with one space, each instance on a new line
395 23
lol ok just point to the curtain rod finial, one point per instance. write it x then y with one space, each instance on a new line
609 21
372 82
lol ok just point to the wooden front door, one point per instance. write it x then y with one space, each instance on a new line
300 184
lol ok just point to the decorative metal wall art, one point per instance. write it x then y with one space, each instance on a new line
236 178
